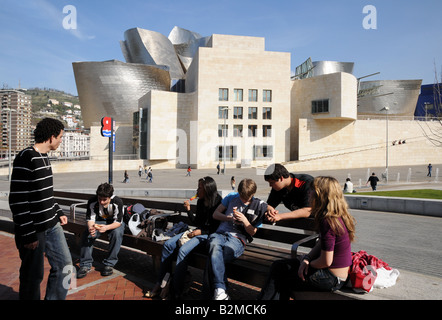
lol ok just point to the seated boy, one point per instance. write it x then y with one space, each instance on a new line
104 214
240 215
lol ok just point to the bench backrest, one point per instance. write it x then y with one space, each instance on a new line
285 232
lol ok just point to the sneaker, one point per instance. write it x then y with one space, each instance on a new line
107 271
82 272
221 295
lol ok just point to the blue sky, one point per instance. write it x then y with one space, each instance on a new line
38 51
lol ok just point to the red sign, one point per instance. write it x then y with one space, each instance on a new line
106 127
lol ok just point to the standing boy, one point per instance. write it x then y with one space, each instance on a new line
38 218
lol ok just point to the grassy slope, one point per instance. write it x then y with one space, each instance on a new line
419 193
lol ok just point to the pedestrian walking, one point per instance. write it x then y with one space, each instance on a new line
430 167
373 181
149 174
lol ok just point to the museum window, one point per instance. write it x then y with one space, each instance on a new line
237 112
222 130
237 130
266 131
267 95
223 113
252 130
253 95
253 113
262 152
223 94
267 113
238 94
320 106
231 153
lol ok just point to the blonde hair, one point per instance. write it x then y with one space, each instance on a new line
247 188
328 203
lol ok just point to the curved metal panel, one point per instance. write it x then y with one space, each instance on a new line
112 88
400 96
123 46
186 51
179 35
327 67
152 48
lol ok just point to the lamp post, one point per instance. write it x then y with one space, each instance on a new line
9 110
426 110
386 141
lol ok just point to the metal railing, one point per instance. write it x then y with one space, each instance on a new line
397 118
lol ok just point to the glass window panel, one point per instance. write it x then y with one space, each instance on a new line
223 113
237 130
238 94
253 95
267 96
253 113
223 94
267 113
237 112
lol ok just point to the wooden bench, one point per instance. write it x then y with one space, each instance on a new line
271 243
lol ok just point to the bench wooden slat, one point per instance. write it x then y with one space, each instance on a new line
252 267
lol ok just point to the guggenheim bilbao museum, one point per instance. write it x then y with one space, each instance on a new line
190 100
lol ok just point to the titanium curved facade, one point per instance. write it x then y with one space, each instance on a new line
179 35
310 69
187 50
399 95
112 88
153 62
186 44
327 67
151 48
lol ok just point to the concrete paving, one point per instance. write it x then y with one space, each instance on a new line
407 242
399 177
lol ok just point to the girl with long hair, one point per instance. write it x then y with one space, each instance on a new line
208 201
326 266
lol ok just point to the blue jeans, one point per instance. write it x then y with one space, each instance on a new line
169 248
115 240
283 279
223 248
51 242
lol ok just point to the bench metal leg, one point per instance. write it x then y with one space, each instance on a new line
156 261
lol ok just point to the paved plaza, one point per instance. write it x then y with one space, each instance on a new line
399 177
410 243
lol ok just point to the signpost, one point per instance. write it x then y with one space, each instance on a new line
107 131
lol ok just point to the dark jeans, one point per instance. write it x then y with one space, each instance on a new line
115 240
170 250
223 248
284 279
51 242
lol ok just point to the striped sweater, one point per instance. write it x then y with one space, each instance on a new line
31 196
